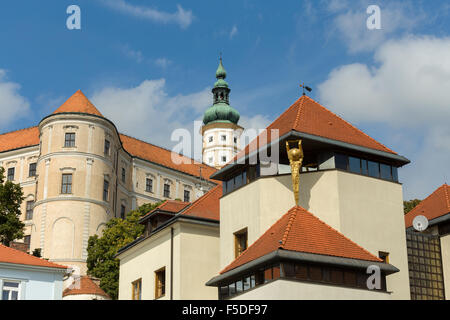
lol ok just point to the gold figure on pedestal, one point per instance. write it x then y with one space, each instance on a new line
295 156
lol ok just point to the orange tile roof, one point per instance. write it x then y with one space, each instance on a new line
299 230
434 206
9 255
78 102
173 206
152 153
308 116
19 139
207 206
85 286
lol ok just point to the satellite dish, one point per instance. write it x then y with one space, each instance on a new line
420 223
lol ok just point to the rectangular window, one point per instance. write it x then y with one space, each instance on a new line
122 211
224 138
341 161
384 256
10 290
224 159
160 283
107 146
394 174
374 169
123 175
240 242
385 172
187 196
354 165
136 288
210 139
166 190
11 172
105 190
149 185
66 185
69 140
364 168
29 212
32 170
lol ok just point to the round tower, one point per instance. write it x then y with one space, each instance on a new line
77 169
220 131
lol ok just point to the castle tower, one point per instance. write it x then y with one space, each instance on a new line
77 190
220 130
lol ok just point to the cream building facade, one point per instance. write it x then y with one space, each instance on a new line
77 172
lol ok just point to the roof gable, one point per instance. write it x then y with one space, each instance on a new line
85 286
434 206
13 256
78 103
300 231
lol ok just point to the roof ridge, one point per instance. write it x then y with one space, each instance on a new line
163 148
255 242
299 111
285 111
351 125
203 197
293 216
341 234
1 134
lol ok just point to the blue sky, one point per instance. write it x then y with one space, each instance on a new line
149 66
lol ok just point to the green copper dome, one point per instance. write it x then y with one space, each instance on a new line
221 111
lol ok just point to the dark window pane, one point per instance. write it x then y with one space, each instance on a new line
69 140
364 169
11 174
187 196
385 171
252 281
395 174
336 276
239 287
230 185
32 170
374 169
247 284
276 272
238 181
301 272
232 289
340 161
354 165
289 269
350 278
315 273
223 292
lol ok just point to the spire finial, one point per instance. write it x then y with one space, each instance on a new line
221 73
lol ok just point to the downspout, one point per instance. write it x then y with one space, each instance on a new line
171 263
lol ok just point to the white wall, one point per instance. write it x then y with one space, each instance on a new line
445 250
35 284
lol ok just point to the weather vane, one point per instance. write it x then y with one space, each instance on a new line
305 87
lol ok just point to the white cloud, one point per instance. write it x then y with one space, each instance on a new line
233 31
135 55
408 88
181 17
12 105
163 62
350 23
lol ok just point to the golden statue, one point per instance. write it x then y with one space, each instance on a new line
295 156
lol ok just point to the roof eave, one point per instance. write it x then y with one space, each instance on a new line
392 156
301 257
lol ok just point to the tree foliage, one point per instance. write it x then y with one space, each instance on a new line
101 250
11 197
411 204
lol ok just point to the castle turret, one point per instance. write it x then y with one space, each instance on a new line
220 131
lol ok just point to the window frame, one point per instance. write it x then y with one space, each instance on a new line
238 250
166 191
70 143
32 173
107 147
147 184
188 193
160 286
12 289
66 185
105 190
28 215
11 176
136 284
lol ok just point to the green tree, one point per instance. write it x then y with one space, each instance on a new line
11 197
409 205
101 250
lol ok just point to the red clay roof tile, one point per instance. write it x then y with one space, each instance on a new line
308 116
434 206
299 230
85 286
9 255
19 139
207 206
78 102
